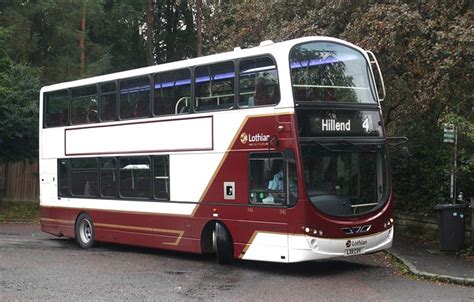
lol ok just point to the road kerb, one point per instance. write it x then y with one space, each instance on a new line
443 278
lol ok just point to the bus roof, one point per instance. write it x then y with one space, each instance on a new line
265 47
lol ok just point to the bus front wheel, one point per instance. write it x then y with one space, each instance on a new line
85 236
223 244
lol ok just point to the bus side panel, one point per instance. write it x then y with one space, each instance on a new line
259 231
148 229
58 221
141 229
184 244
245 223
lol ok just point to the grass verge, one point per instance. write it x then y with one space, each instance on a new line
398 265
19 211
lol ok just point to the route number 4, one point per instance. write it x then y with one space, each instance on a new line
365 124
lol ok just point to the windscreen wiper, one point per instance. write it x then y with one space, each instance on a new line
357 146
318 143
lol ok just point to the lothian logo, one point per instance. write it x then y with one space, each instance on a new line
254 138
353 243
244 138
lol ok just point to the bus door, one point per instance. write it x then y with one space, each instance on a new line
270 187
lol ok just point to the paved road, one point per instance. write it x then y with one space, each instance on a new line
36 266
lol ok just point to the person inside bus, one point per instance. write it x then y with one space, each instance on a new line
301 95
329 96
262 94
159 104
277 182
141 107
109 109
330 175
276 95
125 108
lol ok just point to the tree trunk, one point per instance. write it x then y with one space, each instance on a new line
82 40
149 33
199 27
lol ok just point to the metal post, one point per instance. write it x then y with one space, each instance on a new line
455 164
472 221
451 188
450 135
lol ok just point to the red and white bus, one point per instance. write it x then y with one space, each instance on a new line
272 153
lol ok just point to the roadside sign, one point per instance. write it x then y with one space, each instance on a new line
449 133
450 136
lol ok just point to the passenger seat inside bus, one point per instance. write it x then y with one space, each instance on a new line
184 109
80 116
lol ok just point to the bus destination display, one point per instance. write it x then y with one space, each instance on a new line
328 123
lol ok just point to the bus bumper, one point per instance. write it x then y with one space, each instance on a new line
306 248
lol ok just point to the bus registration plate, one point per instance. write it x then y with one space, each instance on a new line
353 251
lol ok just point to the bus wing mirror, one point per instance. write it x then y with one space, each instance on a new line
395 141
373 61
406 153
289 155
273 142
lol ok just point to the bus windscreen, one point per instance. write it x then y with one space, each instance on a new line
330 72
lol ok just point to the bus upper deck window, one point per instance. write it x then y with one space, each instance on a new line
172 92
258 82
84 105
56 108
135 98
108 102
214 86
330 72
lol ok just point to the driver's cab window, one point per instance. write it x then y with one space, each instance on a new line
267 178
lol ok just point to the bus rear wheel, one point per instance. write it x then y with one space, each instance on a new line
223 245
85 235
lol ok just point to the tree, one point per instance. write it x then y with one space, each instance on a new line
82 38
19 86
199 27
176 37
425 51
149 33
48 34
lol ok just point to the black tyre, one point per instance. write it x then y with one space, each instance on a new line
85 235
223 244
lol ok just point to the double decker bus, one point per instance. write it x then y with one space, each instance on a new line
272 153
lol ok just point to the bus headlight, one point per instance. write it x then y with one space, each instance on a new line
388 223
313 231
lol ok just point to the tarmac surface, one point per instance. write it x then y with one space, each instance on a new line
424 259
37 266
